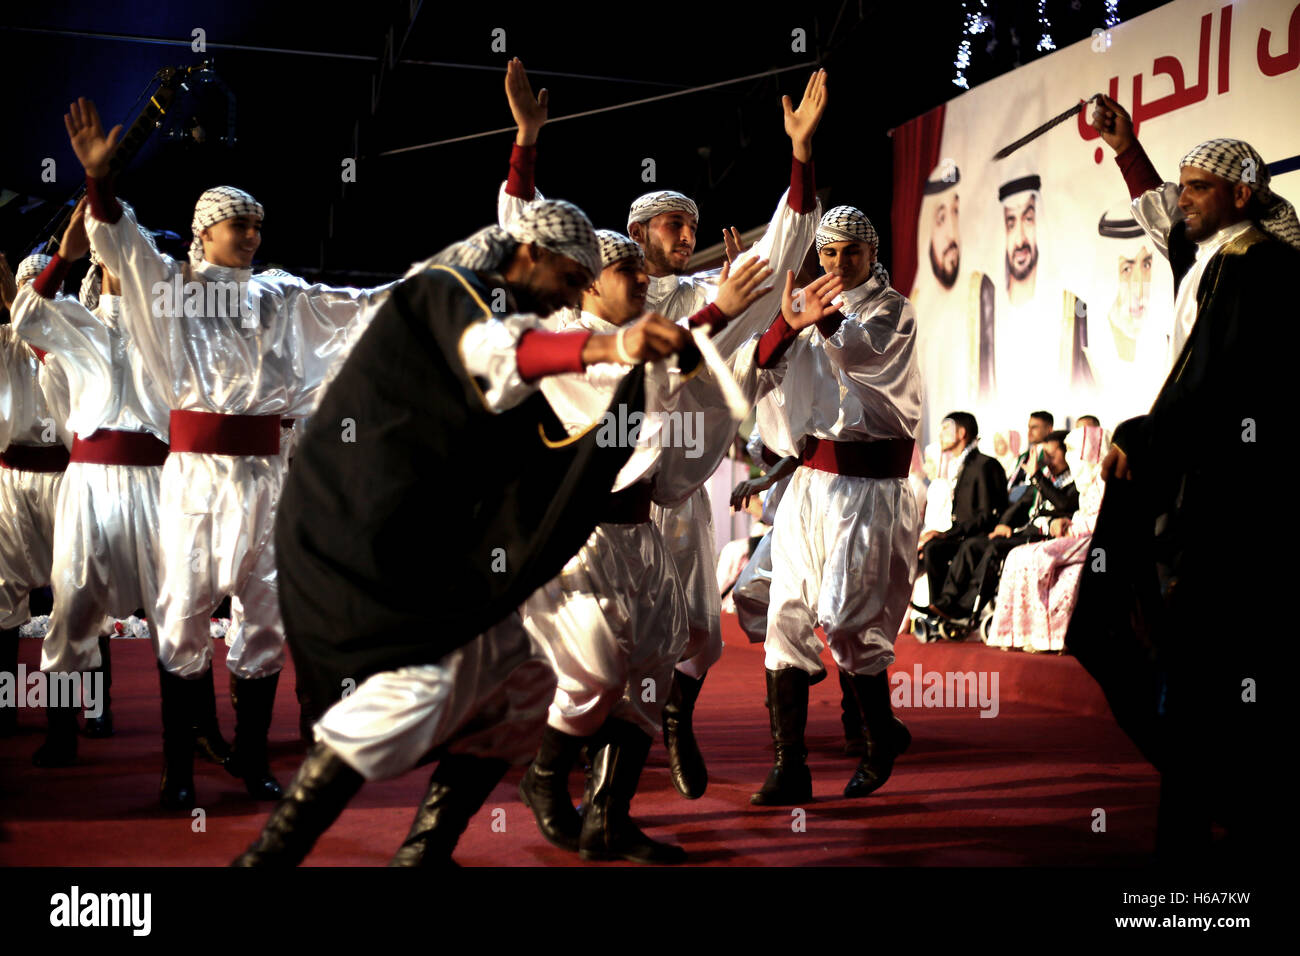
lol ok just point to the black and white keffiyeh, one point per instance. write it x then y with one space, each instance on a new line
217 205
555 225
615 247
657 203
31 267
1237 161
850 224
846 224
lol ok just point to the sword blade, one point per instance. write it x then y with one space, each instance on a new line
1006 151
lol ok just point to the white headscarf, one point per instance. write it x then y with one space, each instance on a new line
31 267
850 224
1237 161
217 205
657 203
555 225
615 247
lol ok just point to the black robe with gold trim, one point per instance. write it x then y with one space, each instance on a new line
1180 550
414 517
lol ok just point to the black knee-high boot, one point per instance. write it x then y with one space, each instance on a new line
254 699
545 789
789 781
317 795
457 790
685 762
177 695
608 832
208 742
60 747
855 739
887 736
102 726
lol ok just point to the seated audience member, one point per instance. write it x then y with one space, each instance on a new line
1040 423
1006 449
972 573
979 495
1040 581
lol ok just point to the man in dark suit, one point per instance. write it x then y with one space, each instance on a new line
979 496
973 572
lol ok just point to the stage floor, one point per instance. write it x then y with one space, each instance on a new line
1050 781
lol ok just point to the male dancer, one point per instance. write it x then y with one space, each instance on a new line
33 456
442 666
844 544
230 378
664 224
106 530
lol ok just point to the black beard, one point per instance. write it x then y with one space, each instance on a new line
658 260
946 278
1022 276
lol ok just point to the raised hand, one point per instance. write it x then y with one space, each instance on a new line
741 288
1113 122
801 122
802 307
75 243
86 132
529 111
734 246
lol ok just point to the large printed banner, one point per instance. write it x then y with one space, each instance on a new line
1034 287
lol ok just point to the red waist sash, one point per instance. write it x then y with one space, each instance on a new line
886 458
212 434
107 446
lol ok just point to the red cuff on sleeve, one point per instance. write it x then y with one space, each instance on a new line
541 353
710 315
520 182
803 187
830 325
50 281
103 200
1139 174
775 341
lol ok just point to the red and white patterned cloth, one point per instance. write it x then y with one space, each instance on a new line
1040 583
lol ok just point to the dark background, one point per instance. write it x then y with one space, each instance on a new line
297 112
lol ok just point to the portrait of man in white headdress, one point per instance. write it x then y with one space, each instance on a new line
1042 327
1129 350
954 306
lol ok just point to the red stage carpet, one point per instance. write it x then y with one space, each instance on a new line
1030 786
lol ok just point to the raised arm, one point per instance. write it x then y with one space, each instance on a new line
530 114
793 226
64 326
1155 202
145 274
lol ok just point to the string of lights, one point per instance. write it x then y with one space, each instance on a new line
973 24
1045 43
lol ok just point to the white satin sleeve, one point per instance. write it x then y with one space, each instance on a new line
64 327
487 350
1156 211
143 273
